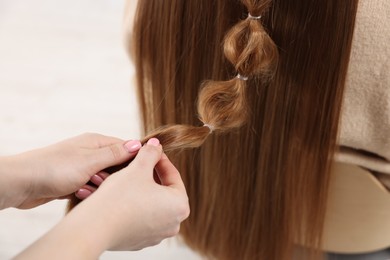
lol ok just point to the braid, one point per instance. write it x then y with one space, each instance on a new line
222 105
248 46
256 191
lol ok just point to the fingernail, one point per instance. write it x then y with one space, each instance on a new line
154 142
97 180
83 193
133 146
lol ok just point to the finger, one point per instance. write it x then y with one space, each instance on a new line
169 175
98 178
114 154
93 140
103 175
148 156
82 194
104 140
85 192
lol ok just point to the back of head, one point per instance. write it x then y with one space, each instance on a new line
257 86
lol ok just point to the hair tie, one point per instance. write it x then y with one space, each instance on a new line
210 127
239 76
254 17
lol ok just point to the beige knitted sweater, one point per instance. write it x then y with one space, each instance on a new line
365 121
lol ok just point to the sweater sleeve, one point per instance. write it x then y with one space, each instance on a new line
365 120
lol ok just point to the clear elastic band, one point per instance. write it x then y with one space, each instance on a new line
210 127
239 76
254 17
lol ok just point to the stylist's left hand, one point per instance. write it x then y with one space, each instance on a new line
61 169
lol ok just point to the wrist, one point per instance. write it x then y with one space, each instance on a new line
90 228
104 226
80 235
14 181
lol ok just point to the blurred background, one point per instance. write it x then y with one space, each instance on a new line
64 71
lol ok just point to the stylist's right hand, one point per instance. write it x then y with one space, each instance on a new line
136 211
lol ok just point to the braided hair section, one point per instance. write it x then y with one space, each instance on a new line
222 105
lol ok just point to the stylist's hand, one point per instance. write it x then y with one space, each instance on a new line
129 211
135 210
61 169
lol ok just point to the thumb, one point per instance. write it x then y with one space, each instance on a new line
148 156
169 175
115 154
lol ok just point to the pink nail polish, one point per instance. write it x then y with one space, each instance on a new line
133 146
97 180
83 193
154 142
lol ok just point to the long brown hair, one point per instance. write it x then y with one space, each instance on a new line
259 180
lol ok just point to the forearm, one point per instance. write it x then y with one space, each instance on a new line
80 235
129 211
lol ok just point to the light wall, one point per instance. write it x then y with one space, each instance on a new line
63 71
